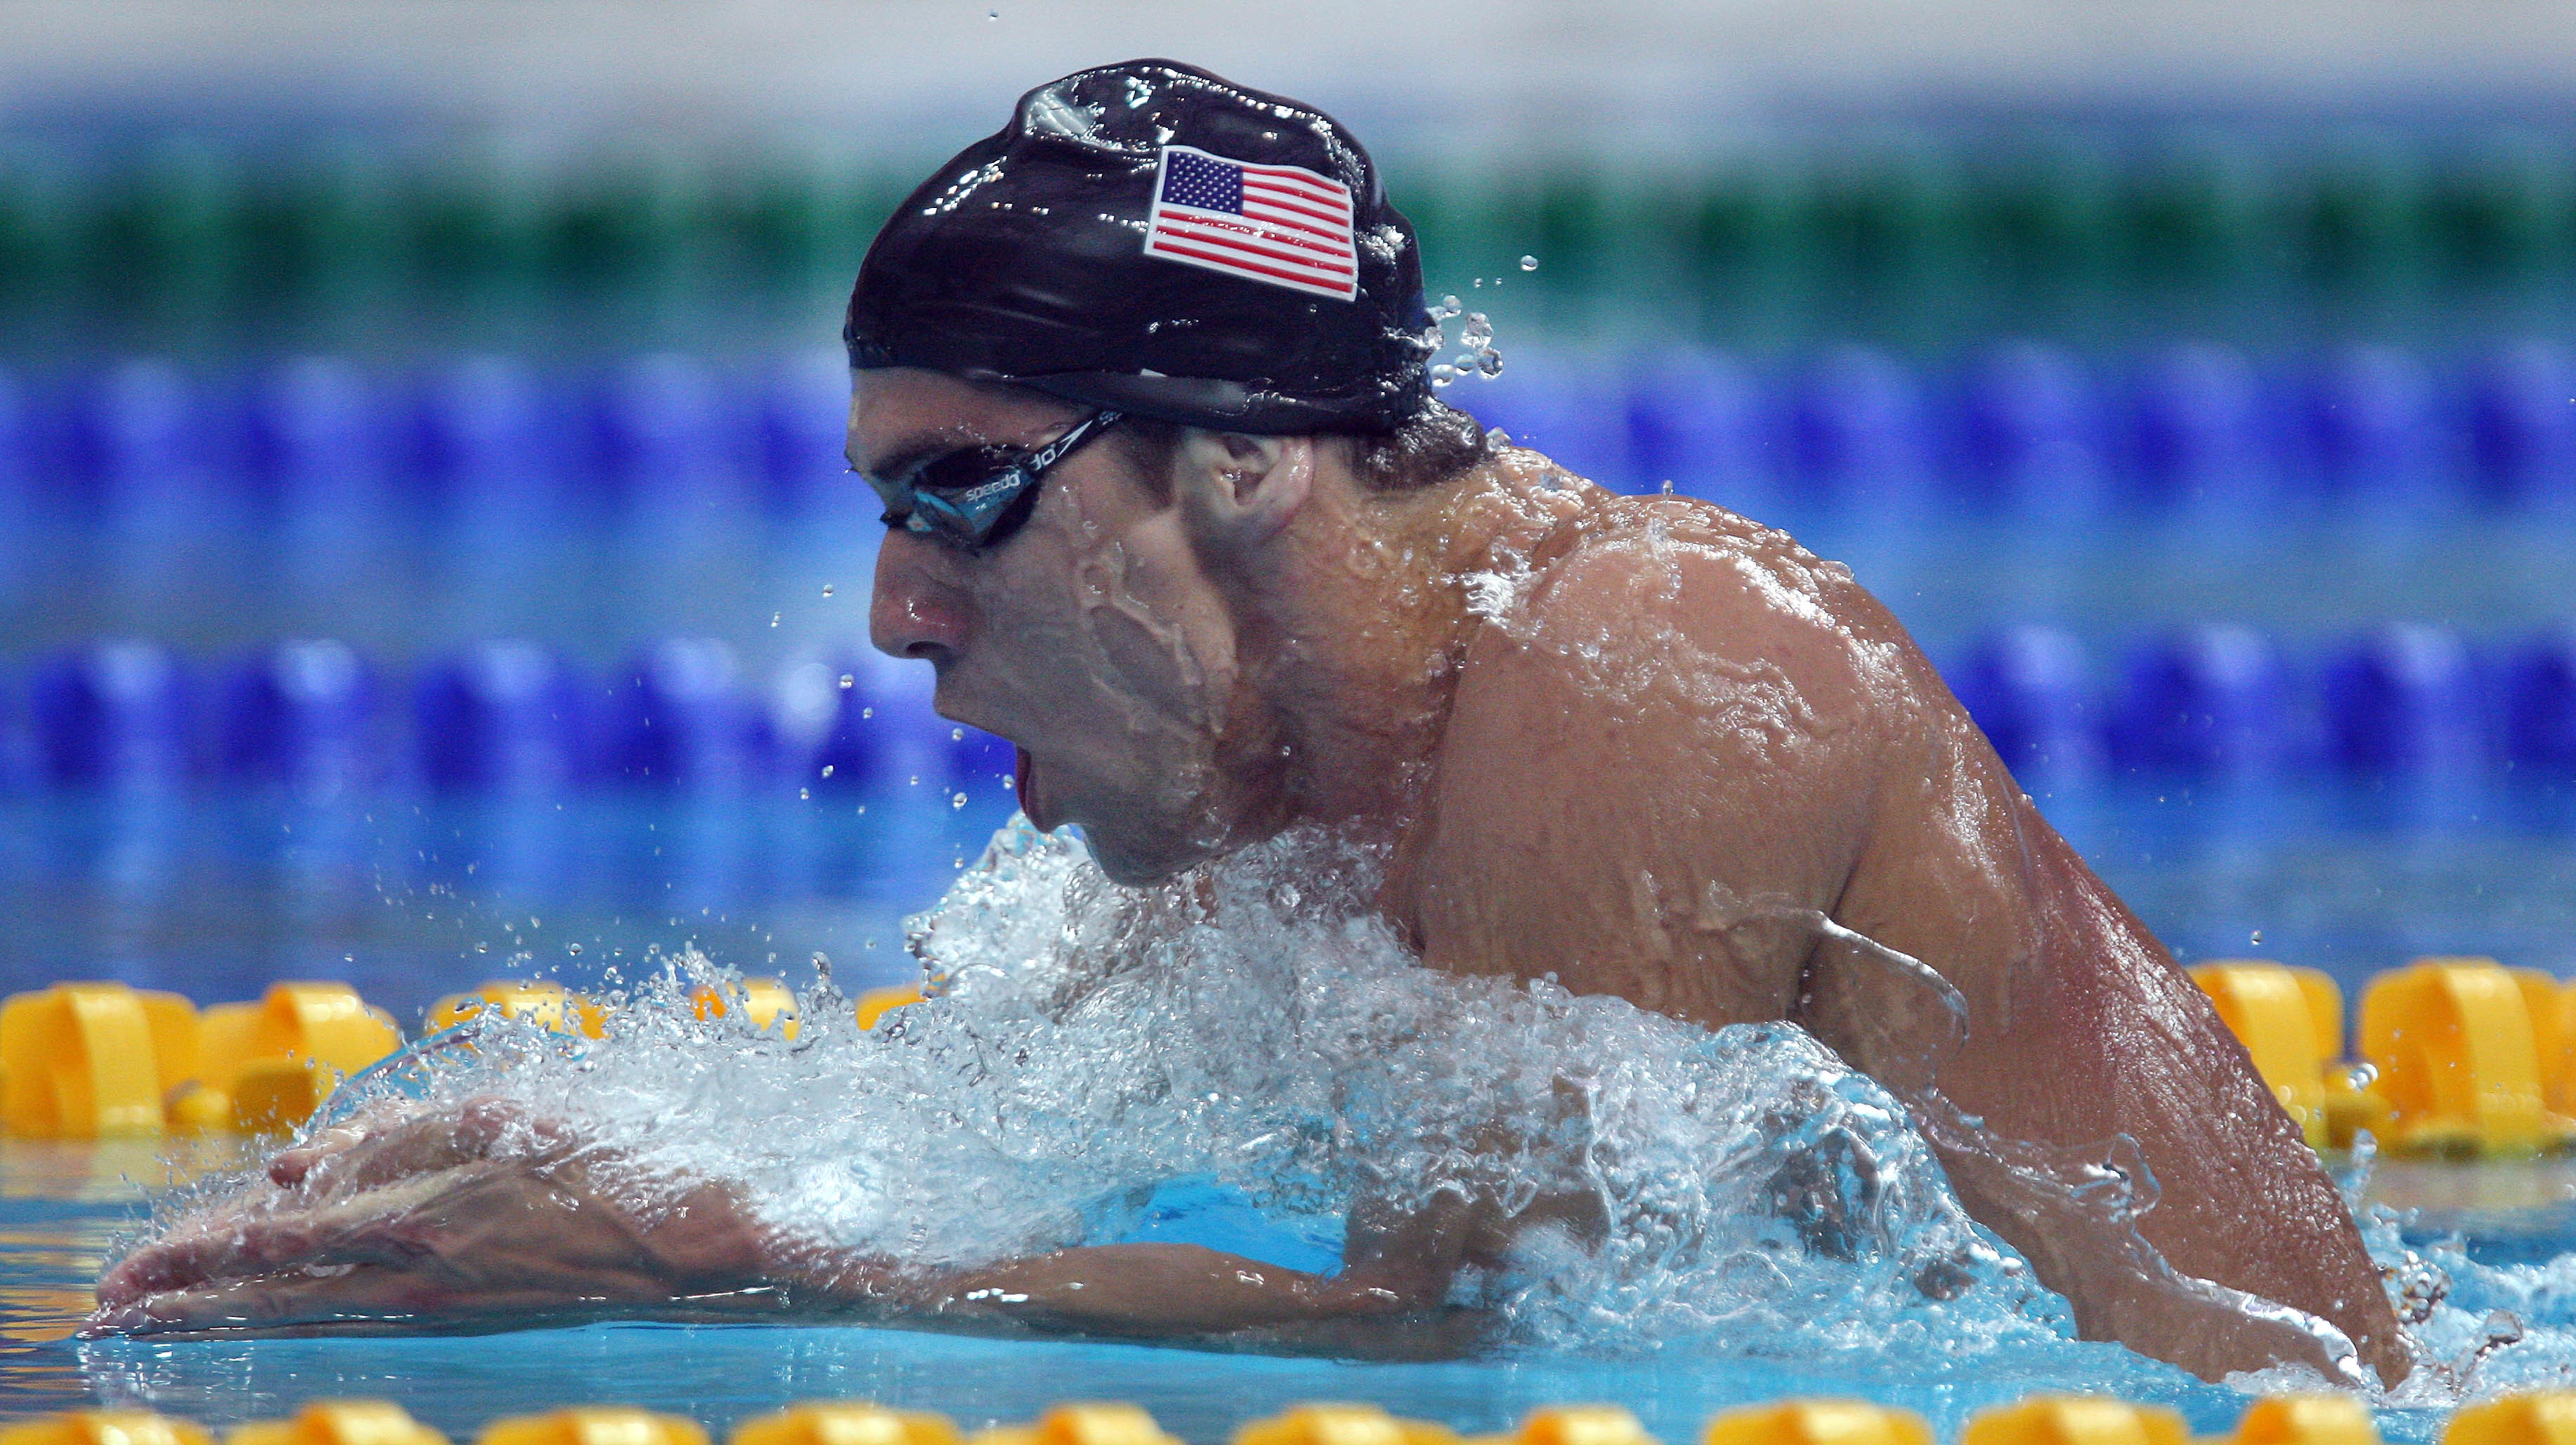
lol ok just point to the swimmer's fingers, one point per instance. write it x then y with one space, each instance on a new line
236 1241
338 1162
366 1299
336 1294
346 1296
291 1166
330 1181
483 1242
193 1252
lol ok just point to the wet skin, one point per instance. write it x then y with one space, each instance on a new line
1642 744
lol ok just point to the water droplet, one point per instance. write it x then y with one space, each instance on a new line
957 801
1449 307
805 793
1497 438
2258 938
1489 363
867 712
849 680
957 735
1529 263
1668 486
773 618
2504 1327
827 769
1478 333
482 948
829 589
573 948
1443 373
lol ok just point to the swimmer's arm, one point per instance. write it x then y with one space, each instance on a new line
1687 755
487 1215
1156 1289
1394 1262
2082 1029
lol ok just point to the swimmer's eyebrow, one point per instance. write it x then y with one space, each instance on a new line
911 453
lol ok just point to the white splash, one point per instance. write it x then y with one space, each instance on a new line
1249 1031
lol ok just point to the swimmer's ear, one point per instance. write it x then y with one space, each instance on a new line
1236 491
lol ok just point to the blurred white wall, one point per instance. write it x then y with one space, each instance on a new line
1478 75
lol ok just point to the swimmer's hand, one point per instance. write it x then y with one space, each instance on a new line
487 1217
481 1217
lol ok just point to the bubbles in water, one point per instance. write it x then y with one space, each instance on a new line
848 681
957 735
829 589
1478 333
2258 938
1442 373
1489 363
1529 263
957 800
827 769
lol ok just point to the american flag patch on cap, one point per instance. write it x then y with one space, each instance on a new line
1279 225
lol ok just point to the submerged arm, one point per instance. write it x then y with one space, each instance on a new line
1394 1262
1159 1289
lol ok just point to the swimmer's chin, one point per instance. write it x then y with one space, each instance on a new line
1129 870
1135 863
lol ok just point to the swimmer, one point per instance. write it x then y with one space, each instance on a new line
1141 382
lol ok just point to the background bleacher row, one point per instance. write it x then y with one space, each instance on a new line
517 717
2017 424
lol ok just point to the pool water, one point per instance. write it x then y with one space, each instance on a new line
59 1205
410 898
215 888
2342 873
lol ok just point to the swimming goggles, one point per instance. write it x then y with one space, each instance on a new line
976 497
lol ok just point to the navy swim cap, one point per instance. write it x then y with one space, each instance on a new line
1153 238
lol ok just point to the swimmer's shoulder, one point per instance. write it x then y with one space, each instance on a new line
1669 567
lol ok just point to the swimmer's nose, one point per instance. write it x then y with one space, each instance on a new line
914 611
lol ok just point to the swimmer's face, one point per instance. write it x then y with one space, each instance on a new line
1091 637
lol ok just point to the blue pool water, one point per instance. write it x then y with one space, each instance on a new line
2331 792
59 1205
2345 873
